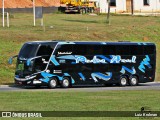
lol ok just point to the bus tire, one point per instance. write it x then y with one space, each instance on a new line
65 82
53 83
133 80
123 81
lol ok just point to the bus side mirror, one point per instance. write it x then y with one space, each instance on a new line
28 62
11 59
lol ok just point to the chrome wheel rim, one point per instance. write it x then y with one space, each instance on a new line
134 81
123 81
53 83
65 83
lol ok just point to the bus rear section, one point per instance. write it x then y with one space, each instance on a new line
88 63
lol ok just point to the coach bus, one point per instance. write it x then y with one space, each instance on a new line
67 63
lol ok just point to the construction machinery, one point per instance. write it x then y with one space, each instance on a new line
79 6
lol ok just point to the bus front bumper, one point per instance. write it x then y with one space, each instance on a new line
30 80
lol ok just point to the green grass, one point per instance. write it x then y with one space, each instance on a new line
73 27
80 101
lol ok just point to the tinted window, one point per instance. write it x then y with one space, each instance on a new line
113 3
123 50
146 2
94 50
87 49
136 49
98 49
148 49
28 51
109 50
84 49
79 49
62 49
44 50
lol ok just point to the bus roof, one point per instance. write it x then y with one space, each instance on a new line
107 43
91 42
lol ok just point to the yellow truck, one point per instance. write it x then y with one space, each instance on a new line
78 6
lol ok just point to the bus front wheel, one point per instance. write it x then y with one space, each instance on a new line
65 82
133 81
123 81
53 83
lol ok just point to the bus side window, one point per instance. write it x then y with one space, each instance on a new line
98 50
87 49
149 49
109 50
44 50
136 50
79 49
122 50
63 50
90 50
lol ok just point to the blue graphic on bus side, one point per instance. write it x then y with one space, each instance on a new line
67 57
124 69
102 76
143 63
54 61
47 76
105 58
72 80
71 57
82 76
95 60
98 59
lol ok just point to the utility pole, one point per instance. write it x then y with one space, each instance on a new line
108 15
3 13
132 7
34 14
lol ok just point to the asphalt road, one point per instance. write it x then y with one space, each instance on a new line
144 86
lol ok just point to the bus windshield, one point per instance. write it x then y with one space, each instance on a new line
28 51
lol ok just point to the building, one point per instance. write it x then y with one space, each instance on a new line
119 6
29 3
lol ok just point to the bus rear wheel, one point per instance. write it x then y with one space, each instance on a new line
65 82
123 81
133 81
53 83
